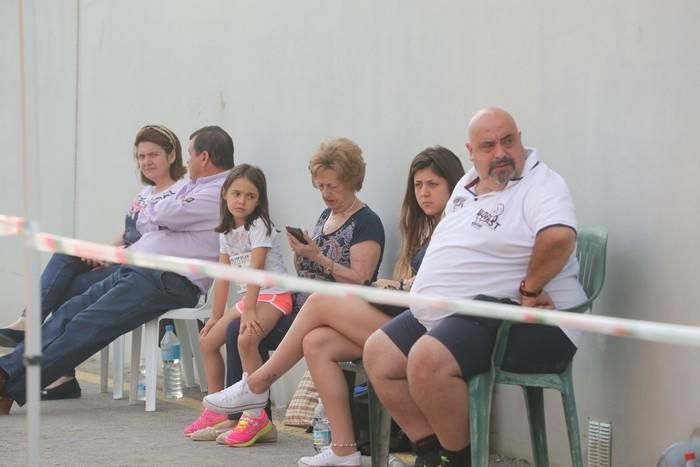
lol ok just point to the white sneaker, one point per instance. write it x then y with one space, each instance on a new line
327 458
236 398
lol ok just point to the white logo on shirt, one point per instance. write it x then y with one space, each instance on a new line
458 203
488 219
241 261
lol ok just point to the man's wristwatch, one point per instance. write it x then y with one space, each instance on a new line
527 293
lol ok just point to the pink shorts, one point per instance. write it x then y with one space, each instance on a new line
281 301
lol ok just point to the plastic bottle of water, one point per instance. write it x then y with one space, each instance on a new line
322 430
395 461
170 353
141 386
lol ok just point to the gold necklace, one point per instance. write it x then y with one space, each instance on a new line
332 218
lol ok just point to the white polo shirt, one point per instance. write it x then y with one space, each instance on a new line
484 243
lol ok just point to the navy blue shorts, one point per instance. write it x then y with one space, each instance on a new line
531 348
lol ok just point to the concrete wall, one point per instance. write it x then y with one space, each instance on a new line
606 91
55 42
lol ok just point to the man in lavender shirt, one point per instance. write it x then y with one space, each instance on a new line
181 225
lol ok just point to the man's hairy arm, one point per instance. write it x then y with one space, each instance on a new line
553 247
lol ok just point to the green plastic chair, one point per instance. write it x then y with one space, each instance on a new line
591 251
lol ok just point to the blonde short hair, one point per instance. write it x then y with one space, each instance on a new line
342 156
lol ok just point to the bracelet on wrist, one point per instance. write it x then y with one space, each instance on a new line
527 293
401 284
329 270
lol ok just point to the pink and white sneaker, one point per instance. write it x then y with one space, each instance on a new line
208 418
249 430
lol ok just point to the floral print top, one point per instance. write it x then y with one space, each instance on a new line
362 226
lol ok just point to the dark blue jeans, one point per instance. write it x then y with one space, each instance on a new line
126 299
64 277
234 368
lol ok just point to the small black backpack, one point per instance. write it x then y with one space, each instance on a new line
398 442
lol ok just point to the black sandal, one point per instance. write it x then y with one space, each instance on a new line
68 390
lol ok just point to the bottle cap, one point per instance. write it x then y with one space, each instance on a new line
690 455
168 327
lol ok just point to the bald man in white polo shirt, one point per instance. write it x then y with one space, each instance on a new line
509 235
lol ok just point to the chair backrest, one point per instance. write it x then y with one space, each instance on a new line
591 250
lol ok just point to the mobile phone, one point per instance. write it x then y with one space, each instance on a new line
297 233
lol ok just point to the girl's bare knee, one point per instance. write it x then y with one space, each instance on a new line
207 344
248 343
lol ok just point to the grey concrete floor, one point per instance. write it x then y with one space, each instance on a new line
99 431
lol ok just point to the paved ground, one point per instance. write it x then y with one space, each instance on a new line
99 431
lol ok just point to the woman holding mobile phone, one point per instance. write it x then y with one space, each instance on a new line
347 242
332 329
297 233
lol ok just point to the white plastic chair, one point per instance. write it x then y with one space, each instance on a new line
185 320
117 368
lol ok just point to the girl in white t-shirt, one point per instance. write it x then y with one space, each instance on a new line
248 239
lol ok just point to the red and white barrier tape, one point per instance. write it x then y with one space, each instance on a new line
647 330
